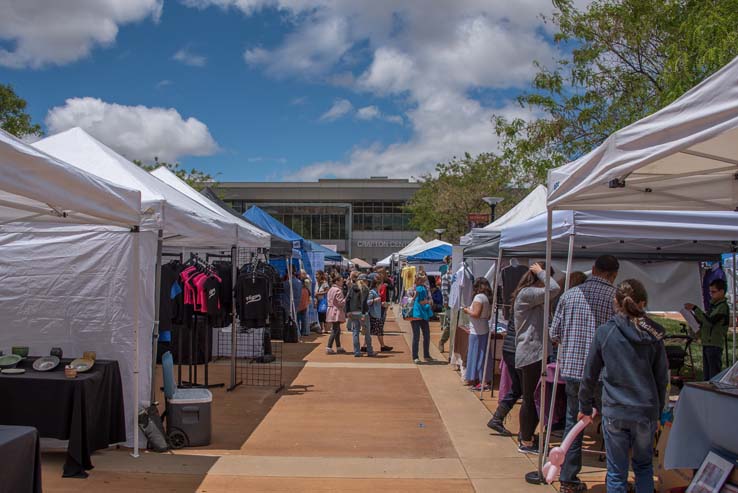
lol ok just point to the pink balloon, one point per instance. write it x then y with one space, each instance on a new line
552 468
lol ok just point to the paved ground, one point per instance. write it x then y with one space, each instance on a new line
341 424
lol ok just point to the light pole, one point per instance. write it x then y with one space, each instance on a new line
439 232
492 201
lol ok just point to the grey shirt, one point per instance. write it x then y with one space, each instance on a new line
529 322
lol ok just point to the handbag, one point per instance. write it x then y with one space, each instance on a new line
322 305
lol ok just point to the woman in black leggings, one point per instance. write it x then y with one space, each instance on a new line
529 315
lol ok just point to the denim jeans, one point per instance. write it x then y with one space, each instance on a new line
335 335
712 363
418 326
572 465
302 322
355 325
621 437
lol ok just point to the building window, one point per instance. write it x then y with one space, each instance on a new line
380 216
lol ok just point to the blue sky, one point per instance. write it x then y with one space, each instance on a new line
276 89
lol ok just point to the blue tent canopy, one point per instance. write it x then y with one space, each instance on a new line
262 219
328 254
435 254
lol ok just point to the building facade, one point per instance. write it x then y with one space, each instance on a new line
358 218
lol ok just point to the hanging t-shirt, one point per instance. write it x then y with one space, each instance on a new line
212 288
466 286
408 277
253 301
480 326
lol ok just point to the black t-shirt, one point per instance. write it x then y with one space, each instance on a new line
253 300
212 289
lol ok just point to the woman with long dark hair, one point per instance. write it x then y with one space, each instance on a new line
479 314
528 302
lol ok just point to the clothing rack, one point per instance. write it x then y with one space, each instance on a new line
176 255
194 340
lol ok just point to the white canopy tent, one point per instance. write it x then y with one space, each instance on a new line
36 186
248 234
408 251
532 205
183 221
72 264
683 157
410 247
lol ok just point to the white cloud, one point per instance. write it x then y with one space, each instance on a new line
184 55
431 58
137 132
340 108
368 113
164 83
42 32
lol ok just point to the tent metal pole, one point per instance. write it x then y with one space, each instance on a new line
234 335
489 334
157 310
734 305
136 322
555 385
536 477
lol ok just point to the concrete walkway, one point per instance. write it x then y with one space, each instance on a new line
341 424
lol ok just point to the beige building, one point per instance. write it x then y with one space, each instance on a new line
362 218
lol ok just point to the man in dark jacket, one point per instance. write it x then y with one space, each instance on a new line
629 353
357 314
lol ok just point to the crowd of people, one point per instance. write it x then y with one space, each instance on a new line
611 354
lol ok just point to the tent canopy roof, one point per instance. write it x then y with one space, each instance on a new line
407 252
433 254
248 234
533 204
683 157
362 264
412 246
265 221
34 183
628 234
184 221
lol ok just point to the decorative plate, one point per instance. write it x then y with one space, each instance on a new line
13 371
47 363
81 364
9 360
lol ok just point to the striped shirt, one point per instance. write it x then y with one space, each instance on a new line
580 311
446 286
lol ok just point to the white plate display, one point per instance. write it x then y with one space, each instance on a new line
47 363
81 364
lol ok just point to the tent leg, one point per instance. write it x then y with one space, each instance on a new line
136 322
234 335
157 310
733 324
555 386
489 334
536 477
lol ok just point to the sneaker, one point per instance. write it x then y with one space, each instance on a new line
416 361
329 351
527 449
478 387
573 487
386 349
363 349
499 426
358 355
429 359
340 350
372 354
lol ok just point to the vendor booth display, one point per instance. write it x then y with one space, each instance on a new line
682 157
78 237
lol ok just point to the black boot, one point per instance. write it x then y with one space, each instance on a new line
497 422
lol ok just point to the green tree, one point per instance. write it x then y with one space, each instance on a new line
446 198
13 116
195 178
624 59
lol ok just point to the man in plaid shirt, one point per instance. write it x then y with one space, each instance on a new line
580 311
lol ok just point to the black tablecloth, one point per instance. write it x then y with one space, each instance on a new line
87 410
20 460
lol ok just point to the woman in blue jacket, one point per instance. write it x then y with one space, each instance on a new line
422 312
